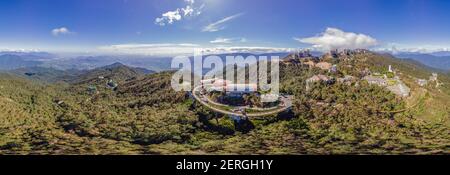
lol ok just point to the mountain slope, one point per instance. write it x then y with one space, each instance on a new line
117 72
145 116
50 75
439 62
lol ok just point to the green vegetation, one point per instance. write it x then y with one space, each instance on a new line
145 116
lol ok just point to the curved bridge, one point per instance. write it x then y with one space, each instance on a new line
205 101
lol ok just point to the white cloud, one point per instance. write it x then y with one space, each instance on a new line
188 11
19 50
168 18
219 25
61 31
246 49
334 38
171 49
411 48
176 15
227 40
160 49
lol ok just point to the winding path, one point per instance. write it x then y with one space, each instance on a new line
287 101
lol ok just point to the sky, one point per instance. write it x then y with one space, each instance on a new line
170 27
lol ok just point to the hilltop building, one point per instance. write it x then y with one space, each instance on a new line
334 53
309 63
395 85
268 98
111 84
208 81
92 89
422 82
434 77
400 89
231 89
331 54
361 51
317 78
375 80
298 57
334 68
301 54
365 72
348 79
324 65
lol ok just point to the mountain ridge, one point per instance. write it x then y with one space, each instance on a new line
116 71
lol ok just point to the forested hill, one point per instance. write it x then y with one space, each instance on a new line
47 75
143 115
117 72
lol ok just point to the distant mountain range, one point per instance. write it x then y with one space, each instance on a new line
20 60
10 62
441 53
92 62
116 71
440 62
36 56
15 60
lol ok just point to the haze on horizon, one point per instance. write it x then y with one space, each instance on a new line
159 27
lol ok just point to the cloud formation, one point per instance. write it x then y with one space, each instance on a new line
396 48
227 40
219 25
61 31
334 38
171 16
173 49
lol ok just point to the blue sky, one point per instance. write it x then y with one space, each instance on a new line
141 26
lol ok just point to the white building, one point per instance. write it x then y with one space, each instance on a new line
222 85
208 81
400 89
267 98
433 77
375 80
422 82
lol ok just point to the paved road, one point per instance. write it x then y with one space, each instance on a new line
287 101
